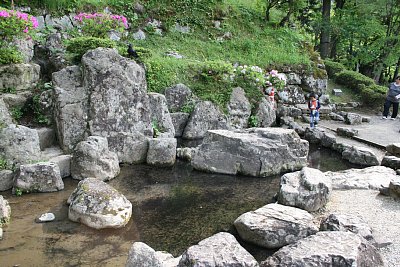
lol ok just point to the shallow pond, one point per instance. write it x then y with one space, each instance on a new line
173 208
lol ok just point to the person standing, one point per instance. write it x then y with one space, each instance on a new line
313 106
392 98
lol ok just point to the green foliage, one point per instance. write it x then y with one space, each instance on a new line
10 90
80 45
353 79
15 24
16 113
18 192
143 53
333 68
374 95
100 24
188 107
9 55
215 70
3 163
253 121
156 129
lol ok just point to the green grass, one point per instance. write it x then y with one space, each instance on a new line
347 96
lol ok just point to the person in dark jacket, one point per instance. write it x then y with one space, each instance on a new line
392 98
314 106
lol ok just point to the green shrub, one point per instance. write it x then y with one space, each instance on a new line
333 68
15 24
373 95
80 45
100 24
142 52
9 55
353 80
214 70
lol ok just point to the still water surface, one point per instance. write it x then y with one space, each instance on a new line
173 208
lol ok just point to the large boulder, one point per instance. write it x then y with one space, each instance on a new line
265 113
308 189
19 76
179 120
342 249
98 205
239 109
70 107
255 152
275 225
6 179
162 151
108 98
142 255
347 223
393 149
131 148
160 116
311 84
91 158
368 178
205 116
221 249
177 97
39 177
19 144
361 156
292 94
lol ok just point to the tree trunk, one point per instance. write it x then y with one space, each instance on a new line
396 70
325 31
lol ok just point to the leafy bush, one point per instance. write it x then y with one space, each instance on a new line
142 52
333 68
15 23
80 45
373 95
9 55
353 80
215 70
100 24
163 72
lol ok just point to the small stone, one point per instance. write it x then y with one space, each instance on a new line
46 217
337 92
381 242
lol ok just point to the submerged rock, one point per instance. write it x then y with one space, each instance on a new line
255 152
98 205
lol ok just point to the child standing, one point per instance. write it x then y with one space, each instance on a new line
313 106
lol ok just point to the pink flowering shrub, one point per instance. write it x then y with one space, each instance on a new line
275 80
15 23
99 24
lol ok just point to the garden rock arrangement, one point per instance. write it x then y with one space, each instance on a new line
255 152
98 205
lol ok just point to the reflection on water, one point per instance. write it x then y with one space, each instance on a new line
173 208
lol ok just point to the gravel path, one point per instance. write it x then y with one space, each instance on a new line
380 212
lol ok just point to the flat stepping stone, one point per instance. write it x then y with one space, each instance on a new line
46 217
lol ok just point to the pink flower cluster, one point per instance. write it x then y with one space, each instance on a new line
81 16
21 16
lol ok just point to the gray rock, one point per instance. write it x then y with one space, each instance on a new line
131 148
19 144
98 205
64 163
313 135
91 158
317 85
361 156
221 249
328 140
142 255
206 116
70 107
394 149
293 78
139 35
5 212
343 249
5 116
16 100
6 179
347 223
266 113
39 177
347 132
185 153
239 109
275 225
336 117
47 137
177 97
19 76
255 152
353 118
284 110
160 116
179 120
25 47
182 29
367 178
394 189
162 151
391 162
308 189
